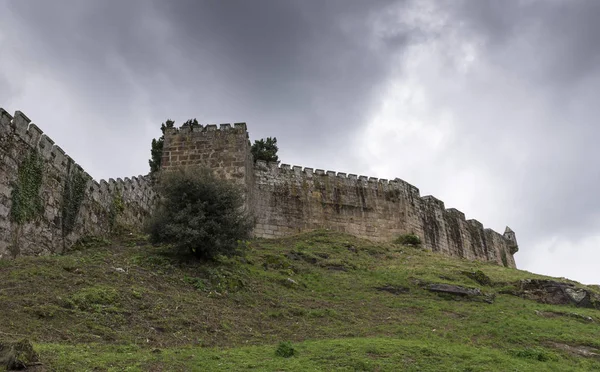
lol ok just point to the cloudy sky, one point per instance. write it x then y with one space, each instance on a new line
489 105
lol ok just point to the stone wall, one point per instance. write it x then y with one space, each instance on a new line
48 202
290 200
225 149
287 200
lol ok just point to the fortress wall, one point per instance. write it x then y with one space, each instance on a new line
284 199
66 204
291 199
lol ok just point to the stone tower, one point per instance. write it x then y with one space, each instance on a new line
287 200
224 149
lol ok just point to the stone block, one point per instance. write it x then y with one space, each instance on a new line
33 134
4 211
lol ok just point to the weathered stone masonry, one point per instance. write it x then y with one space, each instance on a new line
71 204
287 200
47 201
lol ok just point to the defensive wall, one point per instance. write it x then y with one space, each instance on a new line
286 200
48 202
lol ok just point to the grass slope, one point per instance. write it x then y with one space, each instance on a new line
129 306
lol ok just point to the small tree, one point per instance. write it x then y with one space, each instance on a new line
157 147
199 213
265 149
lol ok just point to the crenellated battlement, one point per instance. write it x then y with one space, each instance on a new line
444 230
279 168
20 137
284 199
199 128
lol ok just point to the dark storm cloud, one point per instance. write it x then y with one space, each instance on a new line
553 47
75 42
562 36
302 71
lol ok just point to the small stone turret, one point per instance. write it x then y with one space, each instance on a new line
510 236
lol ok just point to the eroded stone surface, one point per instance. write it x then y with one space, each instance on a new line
46 233
283 199
288 199
454 290
556 293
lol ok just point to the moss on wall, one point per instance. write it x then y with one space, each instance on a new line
504 259
73 194
117 208
27 203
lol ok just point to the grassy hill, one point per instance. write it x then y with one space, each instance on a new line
338 302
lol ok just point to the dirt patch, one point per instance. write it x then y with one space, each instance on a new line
455 315
393 289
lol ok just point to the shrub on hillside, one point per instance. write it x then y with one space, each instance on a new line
285 349
199 213
408 239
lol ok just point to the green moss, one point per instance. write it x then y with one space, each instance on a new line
73 194
116 209
26 199
503 257
393 195
94 298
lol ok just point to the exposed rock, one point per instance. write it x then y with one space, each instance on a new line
393 289
576 295
556 293
580 350
18 355
454 290
473 294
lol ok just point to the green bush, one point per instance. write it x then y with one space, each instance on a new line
199 213
408 239
285 349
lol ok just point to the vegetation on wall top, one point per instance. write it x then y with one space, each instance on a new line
157 147
265 149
